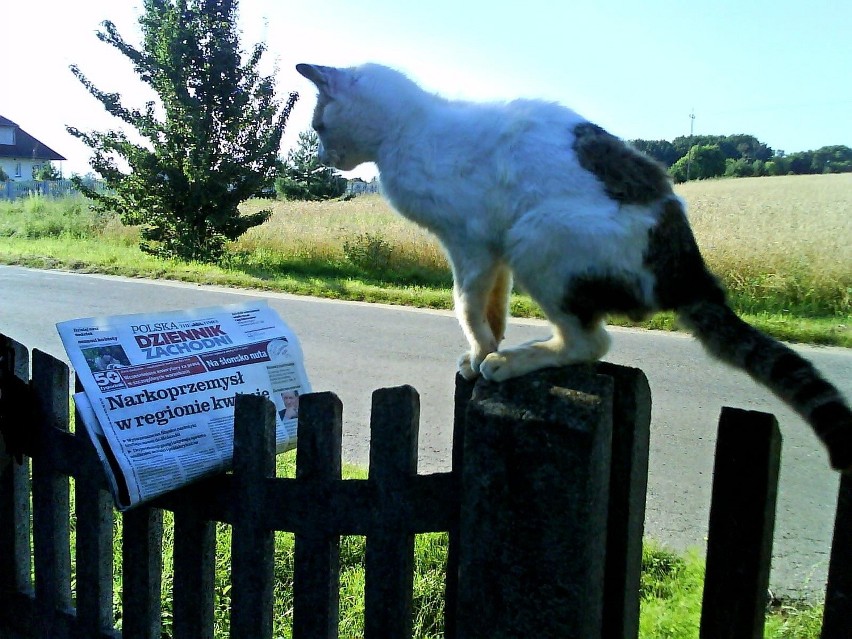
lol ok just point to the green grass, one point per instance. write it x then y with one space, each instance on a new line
671 589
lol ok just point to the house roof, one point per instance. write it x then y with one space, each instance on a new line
26 146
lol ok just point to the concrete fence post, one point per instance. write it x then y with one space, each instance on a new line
533 524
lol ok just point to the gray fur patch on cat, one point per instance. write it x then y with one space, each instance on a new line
629 176
673 257
593 296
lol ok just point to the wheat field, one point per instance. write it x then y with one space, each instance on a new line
791 233
774 241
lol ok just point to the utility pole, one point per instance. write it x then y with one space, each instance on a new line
689 152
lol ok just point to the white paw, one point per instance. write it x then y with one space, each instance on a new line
466 368
496 368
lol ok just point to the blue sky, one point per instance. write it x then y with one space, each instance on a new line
778 69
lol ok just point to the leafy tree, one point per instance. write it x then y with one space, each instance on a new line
661 150
303 177
744 156
47 172
734 147
832 159
772 167
800 163
746 168
683 143
738 168
210 143
702 162
745 146
3 176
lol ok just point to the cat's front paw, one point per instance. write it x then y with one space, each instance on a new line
471 361
496 367
466 368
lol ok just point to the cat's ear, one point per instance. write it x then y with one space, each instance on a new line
322 77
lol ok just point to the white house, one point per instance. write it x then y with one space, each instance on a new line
20 153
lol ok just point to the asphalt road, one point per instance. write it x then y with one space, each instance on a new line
354 348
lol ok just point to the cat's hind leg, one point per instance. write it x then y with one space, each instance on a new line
572 342
481 300
497 309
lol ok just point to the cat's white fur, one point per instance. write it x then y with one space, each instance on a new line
502 188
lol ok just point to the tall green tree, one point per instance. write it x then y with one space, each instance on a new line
700 163
832 159
661 150
47 172
303 177
734 147
210 142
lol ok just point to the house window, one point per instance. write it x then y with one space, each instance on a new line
17 169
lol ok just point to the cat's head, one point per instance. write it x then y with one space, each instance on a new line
357 108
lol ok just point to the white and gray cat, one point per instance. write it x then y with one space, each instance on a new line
586 224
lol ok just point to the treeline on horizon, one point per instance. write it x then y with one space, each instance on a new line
705 156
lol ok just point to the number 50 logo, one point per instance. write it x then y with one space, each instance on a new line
108 378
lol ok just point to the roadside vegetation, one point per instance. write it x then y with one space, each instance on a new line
781 245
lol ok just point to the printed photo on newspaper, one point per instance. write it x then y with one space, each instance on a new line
159 389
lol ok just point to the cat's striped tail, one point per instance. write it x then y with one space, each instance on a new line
769 362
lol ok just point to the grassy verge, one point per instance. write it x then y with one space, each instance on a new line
794 283
671 591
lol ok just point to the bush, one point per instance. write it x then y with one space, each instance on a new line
47 172
37 217
369 252
738 168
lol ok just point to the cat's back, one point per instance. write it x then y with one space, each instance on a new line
517 123
499 159
520 147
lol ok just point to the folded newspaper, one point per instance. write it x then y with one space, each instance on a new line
159 389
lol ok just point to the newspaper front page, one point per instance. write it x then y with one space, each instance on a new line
159 389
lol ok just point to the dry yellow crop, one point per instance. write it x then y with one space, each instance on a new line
779 241
789 237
